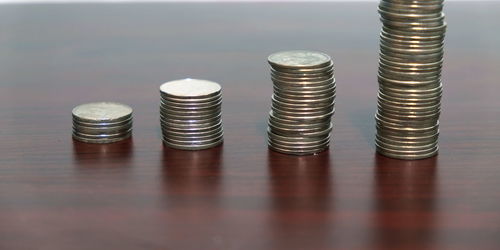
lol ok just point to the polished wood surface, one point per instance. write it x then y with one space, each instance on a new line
56 193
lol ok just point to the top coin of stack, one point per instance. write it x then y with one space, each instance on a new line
302 102
409 98
190 114
102 122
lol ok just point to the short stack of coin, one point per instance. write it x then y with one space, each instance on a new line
409 98
303 101
190 114
102 122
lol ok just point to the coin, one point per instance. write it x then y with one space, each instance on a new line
300 120
98 112
102 122
189 88
298 59
101 140
190 114
409 77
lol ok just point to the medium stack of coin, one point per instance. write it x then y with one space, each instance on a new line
102 122
190 114
409 98
303 101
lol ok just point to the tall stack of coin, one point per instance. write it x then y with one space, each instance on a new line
102 122
409 98
302 102
190 114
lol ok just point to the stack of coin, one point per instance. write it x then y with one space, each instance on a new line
102 122
190 114
303 101
409 98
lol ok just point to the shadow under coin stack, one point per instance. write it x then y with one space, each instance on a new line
190 114
409 98
302 103
102 122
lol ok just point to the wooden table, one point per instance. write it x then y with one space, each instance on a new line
59 194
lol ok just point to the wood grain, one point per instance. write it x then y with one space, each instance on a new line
56 193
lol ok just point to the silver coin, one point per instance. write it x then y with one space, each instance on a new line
171 116
193 143
300 114
301 145
290 108
188 128
411 60
409 135
300 137
102 136
102 124
291 104
190 88
399 144
310 134
388 13
300 74
302 102
322 70
413 38
292 122
300 87
307 118
405 147
409 139
403 131
190 114
177 137
187 102
298 152
299 59
301 96
409 98
190 106
102 112
192 133
192 122
407 120
405 151
277 77
323 100
407 116
409 83
101 141
429 103
303 83
408 156
102 130
193 147
283 130
411 92
329 89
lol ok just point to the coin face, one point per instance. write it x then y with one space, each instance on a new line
102 111
299 59
190 88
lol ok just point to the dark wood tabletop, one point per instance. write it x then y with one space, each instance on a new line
56 193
